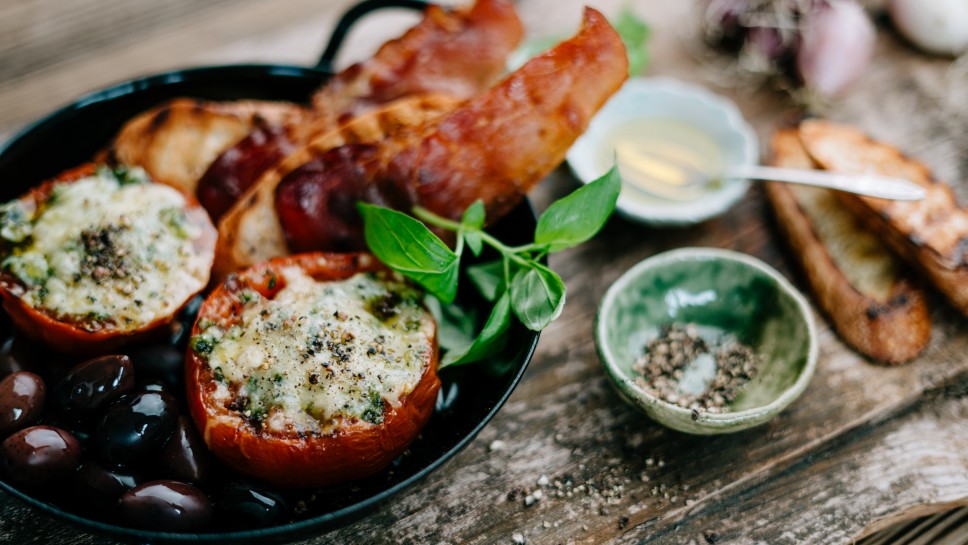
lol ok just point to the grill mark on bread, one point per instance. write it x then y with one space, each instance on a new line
928 234
192 131
891 326
159 120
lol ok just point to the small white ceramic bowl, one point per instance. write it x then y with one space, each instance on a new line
667 98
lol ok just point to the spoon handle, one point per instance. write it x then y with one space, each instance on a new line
872 185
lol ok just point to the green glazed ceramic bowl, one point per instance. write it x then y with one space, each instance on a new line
720 291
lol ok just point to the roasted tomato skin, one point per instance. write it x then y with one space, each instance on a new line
357 448
89 338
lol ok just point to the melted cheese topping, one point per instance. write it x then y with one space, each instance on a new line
107 250
319 352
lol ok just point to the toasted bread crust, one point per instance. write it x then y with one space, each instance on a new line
931 235
886 319
176 141
250 231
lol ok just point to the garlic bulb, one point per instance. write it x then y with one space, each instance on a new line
836 44
936 26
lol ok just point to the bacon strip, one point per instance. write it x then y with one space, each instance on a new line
495 147
502 143
458 53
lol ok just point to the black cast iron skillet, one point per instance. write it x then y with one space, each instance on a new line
470 396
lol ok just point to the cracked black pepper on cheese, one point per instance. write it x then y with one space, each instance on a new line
108 248
319 352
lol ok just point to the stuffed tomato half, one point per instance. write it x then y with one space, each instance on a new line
99 257
312 369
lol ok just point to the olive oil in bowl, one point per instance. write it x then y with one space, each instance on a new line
655 157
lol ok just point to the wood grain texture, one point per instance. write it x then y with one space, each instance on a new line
865 444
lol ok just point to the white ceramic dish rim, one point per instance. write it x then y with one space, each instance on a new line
714 420
581 161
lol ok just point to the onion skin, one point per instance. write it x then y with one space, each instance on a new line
836 44
935 26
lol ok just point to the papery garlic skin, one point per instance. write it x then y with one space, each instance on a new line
936 26
836 45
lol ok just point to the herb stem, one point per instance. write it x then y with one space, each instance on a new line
507 271
435 220
444 223
518 259
518 284
459 248
525 248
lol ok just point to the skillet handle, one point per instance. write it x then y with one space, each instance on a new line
354 14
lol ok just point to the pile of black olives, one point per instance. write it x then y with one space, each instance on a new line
110 438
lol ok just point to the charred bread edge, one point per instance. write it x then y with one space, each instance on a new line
891 332
950 278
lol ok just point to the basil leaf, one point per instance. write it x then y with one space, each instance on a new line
634 33
473 221
473 217
576 218
474 242
406 245
455 325
537 296
492 337
487 277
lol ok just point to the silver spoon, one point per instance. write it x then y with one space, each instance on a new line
693 181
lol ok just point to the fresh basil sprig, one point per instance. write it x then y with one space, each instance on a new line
517 283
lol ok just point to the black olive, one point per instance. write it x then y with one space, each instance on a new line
15 355
93 384
135 428
191 308
186 457
159 368
98 488
182 327
21 401
39 455
80 430
170 506
246 506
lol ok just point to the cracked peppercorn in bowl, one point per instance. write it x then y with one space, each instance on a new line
705 340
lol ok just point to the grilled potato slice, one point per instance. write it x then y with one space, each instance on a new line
176 141
931 235
250 231
856 280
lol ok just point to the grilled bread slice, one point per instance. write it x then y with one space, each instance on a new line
854 277
177 141
932 234
250 231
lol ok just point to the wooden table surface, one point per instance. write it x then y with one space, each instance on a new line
865 446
